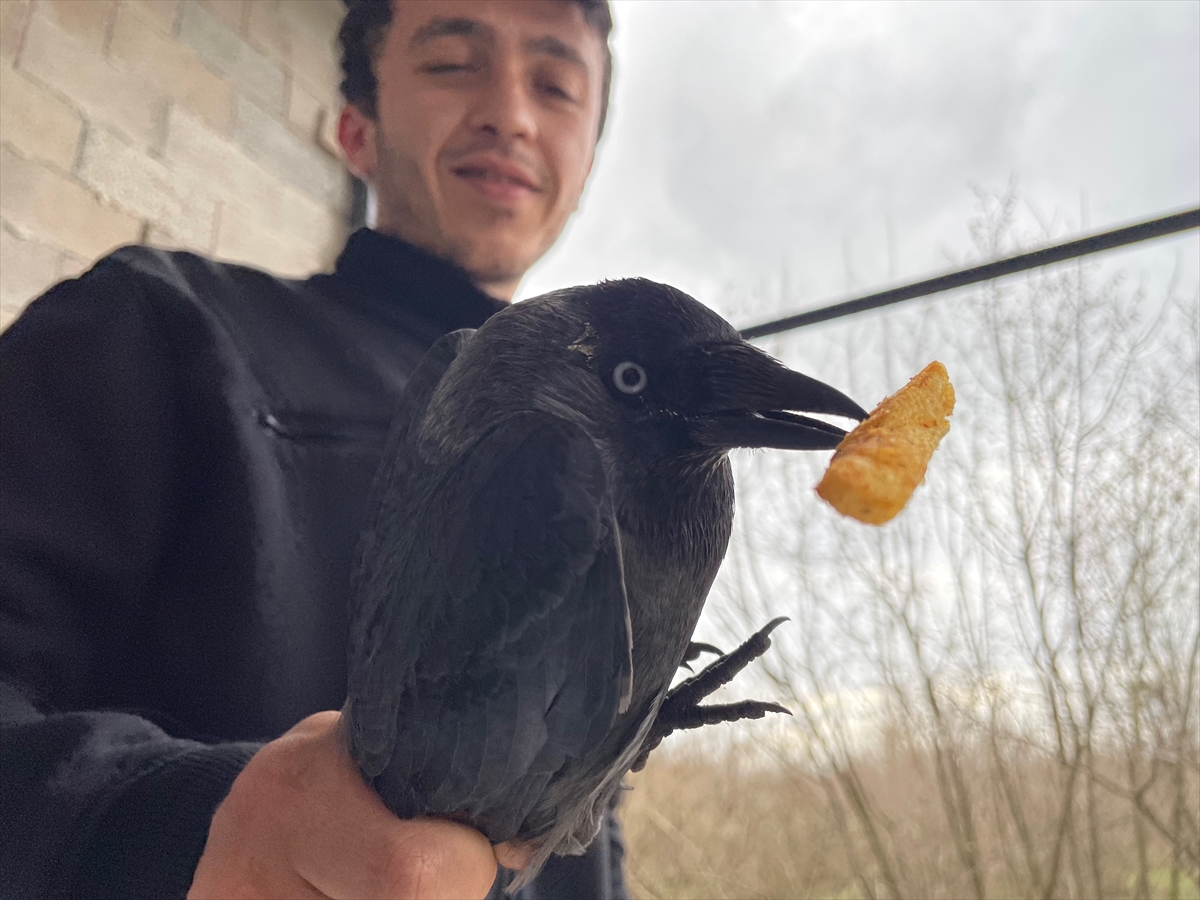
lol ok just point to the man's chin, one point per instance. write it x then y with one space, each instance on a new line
494 262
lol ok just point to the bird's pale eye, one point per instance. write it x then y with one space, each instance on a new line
629 377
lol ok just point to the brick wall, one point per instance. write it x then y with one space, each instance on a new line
206 125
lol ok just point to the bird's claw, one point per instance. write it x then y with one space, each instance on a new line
681 707
694 649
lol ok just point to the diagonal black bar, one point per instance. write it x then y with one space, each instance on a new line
1130 234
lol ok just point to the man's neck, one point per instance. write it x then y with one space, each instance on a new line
502 289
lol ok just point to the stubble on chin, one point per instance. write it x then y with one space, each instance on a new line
488 260
407 211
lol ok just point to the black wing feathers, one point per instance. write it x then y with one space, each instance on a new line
380 544
503 627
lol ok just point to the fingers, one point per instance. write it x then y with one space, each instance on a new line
300 821
360 849
439 859
417 859
513 854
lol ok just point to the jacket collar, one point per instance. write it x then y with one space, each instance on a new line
396 271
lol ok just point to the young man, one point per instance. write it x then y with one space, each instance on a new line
186 452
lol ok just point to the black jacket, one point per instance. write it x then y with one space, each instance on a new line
185 453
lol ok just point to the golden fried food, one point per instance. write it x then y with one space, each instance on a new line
878 465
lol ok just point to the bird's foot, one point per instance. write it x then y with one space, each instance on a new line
681 707
694 649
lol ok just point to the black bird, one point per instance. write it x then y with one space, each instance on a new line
554 502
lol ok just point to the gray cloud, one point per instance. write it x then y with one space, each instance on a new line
750 139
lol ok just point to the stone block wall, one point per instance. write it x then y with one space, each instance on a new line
205 125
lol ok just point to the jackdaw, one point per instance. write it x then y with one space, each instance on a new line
553 504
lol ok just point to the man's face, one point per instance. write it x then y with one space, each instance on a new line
486 129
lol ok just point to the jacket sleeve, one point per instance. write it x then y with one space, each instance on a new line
598 874
616 858
92 803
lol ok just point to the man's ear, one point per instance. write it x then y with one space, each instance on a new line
356 134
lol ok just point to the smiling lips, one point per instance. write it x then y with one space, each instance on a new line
497 178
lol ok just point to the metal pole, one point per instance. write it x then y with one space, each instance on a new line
1131 234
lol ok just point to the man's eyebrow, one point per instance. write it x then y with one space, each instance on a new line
552 46
443 27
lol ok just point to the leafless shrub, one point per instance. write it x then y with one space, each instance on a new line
996 694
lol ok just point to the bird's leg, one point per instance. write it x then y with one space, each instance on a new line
721 671
694 649
681 707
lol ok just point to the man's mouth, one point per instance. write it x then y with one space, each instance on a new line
489 175
497 178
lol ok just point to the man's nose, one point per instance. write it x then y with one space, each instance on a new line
505 105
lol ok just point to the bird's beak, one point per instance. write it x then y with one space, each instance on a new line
750 399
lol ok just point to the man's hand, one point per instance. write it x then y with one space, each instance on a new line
300 821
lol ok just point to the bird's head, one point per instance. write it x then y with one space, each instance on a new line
667 360
648 364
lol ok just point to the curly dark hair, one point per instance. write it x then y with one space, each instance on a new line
366 23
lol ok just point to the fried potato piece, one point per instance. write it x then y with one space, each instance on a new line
879 464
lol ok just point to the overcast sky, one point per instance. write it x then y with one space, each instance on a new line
752 139
759 154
